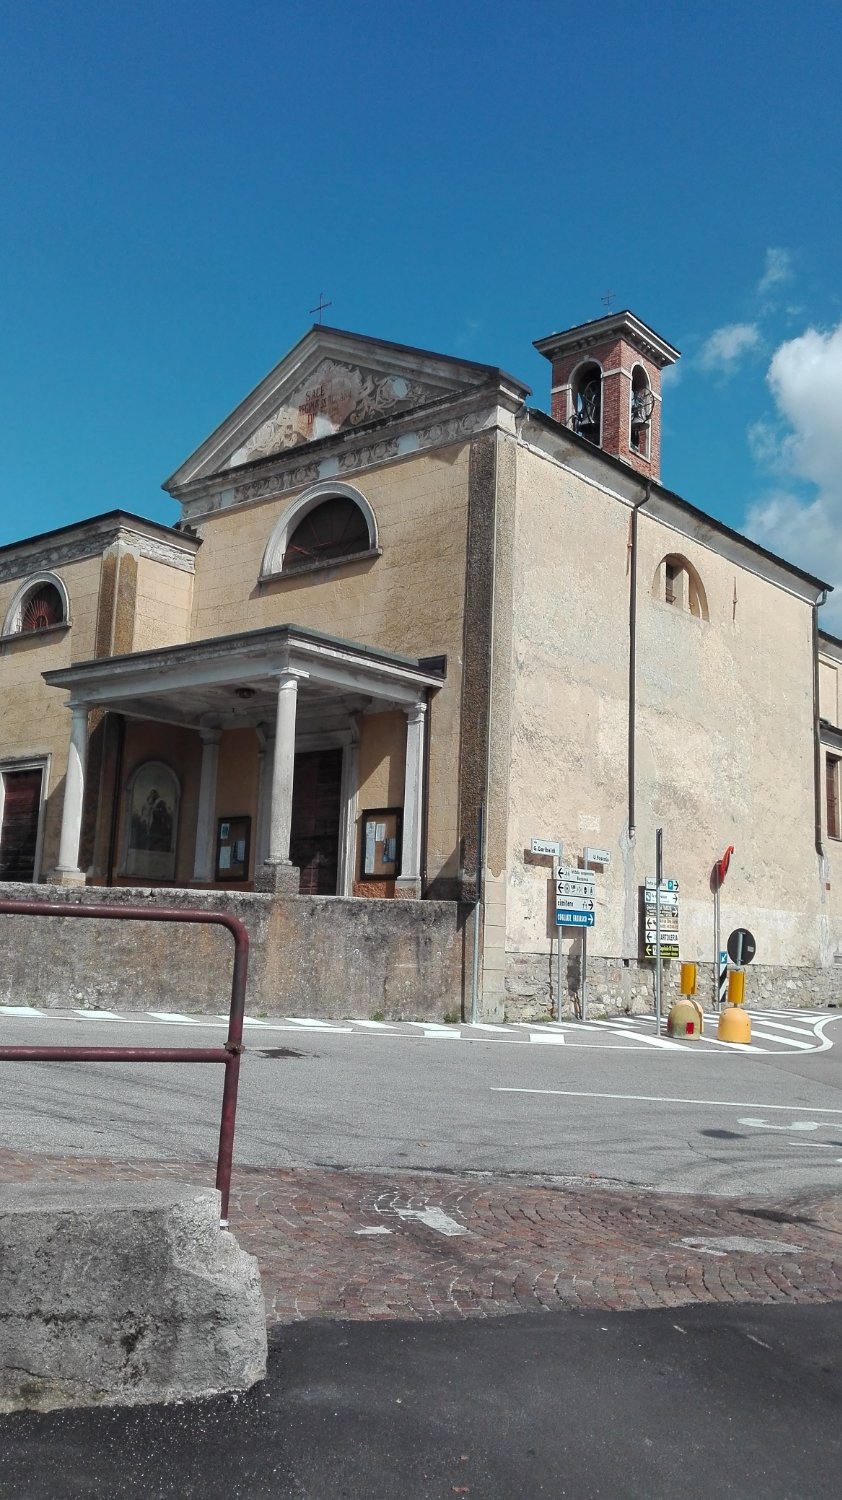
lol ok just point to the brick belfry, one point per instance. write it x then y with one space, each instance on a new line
606 385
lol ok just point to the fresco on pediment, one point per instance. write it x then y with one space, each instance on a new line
335 397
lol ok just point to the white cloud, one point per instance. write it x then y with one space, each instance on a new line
726 347
805 377
778 269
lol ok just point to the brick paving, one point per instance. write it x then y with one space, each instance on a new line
529 1244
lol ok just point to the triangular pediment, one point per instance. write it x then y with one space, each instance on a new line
329 383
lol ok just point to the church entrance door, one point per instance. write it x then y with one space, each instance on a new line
19 829
314 838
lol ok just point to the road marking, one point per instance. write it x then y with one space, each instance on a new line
487 1026
375 1229
554 1039
173 1018
375 1026
434 1218
20 1010
312 1021
785 1041
816 1145
100 1015
660 1099
793 1125
767 1020
436 1033
653 1041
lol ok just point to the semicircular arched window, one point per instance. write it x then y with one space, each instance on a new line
334 528
42 607
39 604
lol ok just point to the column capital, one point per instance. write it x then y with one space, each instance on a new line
210 734
416 712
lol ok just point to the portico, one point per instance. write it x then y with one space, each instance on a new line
300 695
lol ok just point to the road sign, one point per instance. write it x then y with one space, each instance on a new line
667 924
741 946
573 903
668 950
666 885
546 846
570 872
575 919
666 903
597 856
575 888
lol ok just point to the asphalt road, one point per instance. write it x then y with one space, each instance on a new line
734 1402
676 1120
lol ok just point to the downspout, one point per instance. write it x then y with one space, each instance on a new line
817 751
633 653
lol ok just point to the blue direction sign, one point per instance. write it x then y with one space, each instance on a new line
575 919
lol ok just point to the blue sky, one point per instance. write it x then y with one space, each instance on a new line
182 180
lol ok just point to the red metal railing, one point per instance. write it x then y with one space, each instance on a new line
229 1054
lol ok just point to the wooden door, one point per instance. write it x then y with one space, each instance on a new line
19 829
314 839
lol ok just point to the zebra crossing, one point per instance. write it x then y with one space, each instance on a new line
773 1031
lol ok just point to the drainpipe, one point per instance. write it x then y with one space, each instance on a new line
633 651
817 751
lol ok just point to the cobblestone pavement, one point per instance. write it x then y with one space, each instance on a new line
368 1245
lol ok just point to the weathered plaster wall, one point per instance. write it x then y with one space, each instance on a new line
410 599
724 730
310 955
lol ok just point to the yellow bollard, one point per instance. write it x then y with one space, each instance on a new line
688 979
734 1024
686 1018
736 986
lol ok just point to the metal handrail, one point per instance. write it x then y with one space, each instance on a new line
229 1054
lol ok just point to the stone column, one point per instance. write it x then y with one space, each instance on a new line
203 855
277 873
409 880
67 870
265 762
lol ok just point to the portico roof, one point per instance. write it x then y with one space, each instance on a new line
232 680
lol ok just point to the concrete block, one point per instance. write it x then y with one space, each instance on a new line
123 1294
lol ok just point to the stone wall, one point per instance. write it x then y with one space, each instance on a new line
310 955
617 986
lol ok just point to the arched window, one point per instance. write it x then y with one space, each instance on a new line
328 523
586 397
678 584
41 602
641 408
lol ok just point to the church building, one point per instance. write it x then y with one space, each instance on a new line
406 631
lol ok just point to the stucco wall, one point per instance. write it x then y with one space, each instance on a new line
163 605
310 955
724 730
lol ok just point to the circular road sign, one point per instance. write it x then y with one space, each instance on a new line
741 946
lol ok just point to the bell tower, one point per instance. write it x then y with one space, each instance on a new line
606 386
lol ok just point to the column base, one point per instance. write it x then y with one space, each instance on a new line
65 877
281 879
407 889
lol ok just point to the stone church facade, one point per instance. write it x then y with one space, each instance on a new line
404 625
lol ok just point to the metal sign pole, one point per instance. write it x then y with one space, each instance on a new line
716 958
558 972
659 870
584 973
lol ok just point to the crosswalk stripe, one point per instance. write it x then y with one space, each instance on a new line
375 1025
653 1041
20 1010
782 1026
173 1017
553 1038
100 1015
783 1041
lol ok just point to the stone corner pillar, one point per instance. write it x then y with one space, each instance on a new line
203 869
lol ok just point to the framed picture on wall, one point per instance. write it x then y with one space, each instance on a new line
233 842
380 856
152 822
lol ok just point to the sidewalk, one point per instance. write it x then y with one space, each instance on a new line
371 1246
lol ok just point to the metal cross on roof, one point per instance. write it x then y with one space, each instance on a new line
321 305
608 299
